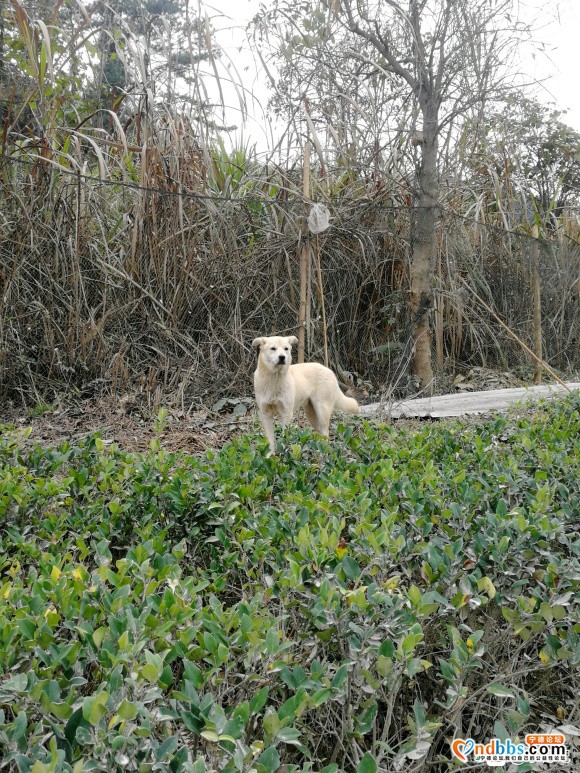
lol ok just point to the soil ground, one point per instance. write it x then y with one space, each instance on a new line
130 423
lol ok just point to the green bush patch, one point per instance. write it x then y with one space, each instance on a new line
350 605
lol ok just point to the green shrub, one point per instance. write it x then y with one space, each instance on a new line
343 606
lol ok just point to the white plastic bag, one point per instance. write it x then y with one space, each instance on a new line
318 219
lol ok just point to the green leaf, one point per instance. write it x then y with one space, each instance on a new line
366 720
191 673
288 735
502 508
500 730
234 728
242 711
367 764
74 721
60 709
150 672
99 635
321 696
414 595
259 700
350 568
414 667
268 761
495 688
341 675
408 644
127 710
384 665
485 584
94 707
167 748
419 712
272 724
19 726
387 649
210 735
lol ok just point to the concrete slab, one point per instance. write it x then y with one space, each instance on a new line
464 403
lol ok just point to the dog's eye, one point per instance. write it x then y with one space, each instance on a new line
285 348
273 348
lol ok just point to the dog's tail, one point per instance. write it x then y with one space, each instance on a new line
347 404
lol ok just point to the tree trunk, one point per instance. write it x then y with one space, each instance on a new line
537 306
424 220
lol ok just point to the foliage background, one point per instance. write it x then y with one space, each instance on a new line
141 253
113 289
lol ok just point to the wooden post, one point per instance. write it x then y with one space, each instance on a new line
439 301
322 306
304 259
537 304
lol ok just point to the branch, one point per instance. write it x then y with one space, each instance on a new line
380 44
442 36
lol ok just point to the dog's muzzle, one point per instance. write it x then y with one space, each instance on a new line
281 359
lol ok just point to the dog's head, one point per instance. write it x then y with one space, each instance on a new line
275 351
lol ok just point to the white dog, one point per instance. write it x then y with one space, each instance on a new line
282 388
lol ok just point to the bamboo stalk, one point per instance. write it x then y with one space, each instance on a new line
307 325
322 306
537 306
304 259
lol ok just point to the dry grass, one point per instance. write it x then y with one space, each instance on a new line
139 255
108 289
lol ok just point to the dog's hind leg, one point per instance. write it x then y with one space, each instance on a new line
324 413
312 416
319 416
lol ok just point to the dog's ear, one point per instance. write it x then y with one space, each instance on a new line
258 342
292 340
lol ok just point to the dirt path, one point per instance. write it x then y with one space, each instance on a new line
131 425
128 424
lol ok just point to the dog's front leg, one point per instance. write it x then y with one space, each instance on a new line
268 424
286 416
